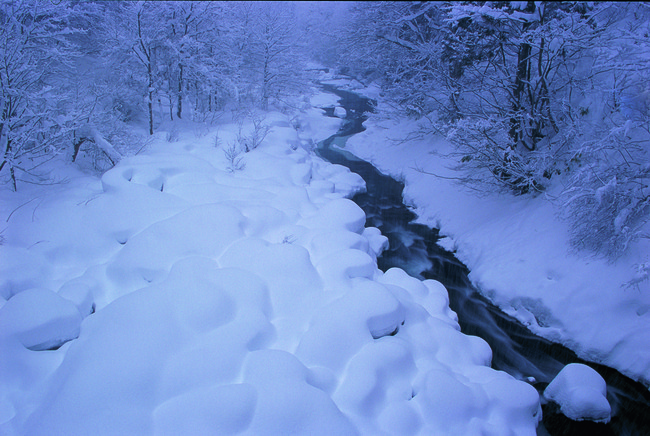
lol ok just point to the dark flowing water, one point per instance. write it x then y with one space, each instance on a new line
414 248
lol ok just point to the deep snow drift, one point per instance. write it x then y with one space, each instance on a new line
191 299
517 249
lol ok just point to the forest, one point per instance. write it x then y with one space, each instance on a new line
528 92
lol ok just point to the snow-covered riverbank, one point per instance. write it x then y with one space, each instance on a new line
191 298
518 252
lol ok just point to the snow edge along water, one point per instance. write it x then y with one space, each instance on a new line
518 252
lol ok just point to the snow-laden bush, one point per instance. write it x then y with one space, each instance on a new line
607 150
607 202
487 161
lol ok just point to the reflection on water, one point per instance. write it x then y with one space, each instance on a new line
414 248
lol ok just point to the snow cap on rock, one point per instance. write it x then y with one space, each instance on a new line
581 394
40 319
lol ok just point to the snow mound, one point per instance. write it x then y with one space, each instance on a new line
323 99
378 242
148 255
40 319
81 293
338 214
230 302
581 394
311 125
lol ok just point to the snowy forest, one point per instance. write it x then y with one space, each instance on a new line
79 72
122 123
526 92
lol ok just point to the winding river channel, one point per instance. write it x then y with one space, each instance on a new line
414 248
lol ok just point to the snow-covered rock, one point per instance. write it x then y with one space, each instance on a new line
581 394
340 112
378 242
323 99
338 214
40 319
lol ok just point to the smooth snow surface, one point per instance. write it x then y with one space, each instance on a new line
581 394
229 302
518 251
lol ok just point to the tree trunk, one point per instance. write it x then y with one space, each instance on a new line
145 57
7 149
13 177
76 147
265 95
522 79
265 81
180 90
150 103
11 167
11 172
523 62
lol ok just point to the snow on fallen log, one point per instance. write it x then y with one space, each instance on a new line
113 155
91 134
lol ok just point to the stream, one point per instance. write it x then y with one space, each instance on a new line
516 350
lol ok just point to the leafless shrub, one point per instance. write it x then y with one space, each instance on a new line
253 139
235 162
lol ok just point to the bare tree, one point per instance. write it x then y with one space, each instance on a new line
134 36
269 44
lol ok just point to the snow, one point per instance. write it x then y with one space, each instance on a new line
340 214
323 99
581 394
518 251
195 300
311 125
377 242
40 319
